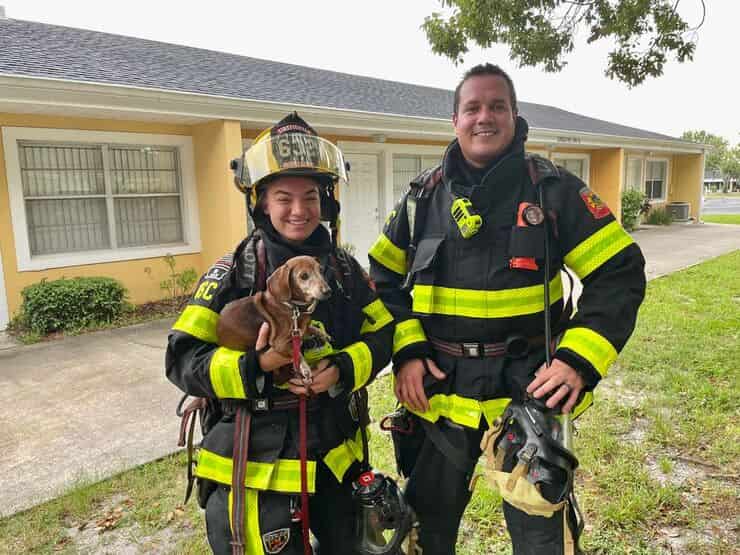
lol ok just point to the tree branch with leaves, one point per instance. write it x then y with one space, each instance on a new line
541 32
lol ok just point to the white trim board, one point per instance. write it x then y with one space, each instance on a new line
59 95
4 310
26 262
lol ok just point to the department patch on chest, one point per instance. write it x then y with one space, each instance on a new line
594 204
276 540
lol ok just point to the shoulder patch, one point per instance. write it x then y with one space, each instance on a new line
594 204
220 268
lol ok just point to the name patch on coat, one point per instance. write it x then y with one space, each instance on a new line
594 204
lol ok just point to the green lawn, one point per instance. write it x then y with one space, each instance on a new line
722 218
660 451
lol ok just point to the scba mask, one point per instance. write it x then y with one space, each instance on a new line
384 518
527 462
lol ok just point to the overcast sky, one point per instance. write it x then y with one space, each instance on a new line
382 38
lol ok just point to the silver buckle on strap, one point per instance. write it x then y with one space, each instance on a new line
472 350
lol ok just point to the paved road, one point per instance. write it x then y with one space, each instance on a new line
86 407
725 205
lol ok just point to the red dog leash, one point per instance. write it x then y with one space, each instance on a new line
302 432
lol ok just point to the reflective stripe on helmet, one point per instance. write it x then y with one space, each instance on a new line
292 153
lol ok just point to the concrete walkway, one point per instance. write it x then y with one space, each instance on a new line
86 407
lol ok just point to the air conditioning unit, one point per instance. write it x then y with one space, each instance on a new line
679 211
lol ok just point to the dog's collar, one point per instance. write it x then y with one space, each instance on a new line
301 307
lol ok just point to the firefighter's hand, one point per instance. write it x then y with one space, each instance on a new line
270 359
561 380
410 382
325 375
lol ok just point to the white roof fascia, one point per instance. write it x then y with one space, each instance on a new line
62 93
138 101
575 139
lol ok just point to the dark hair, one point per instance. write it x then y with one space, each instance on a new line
486 69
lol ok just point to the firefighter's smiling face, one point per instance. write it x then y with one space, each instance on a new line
293 205
485 119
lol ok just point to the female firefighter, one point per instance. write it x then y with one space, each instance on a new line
251 416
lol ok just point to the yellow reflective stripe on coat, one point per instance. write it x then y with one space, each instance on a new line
362 362
343 455
199 322
493 408
388 254
461 410
587 401
592 346
283 475
597 249
377 317
408 332
226 379
475 303
252 532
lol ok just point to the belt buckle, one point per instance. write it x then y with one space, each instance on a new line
472 350
260 405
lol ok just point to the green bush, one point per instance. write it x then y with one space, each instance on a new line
71 304
659 216
632 202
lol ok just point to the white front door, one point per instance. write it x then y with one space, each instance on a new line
360 220
4 317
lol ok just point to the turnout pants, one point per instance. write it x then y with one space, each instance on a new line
269 528
438 493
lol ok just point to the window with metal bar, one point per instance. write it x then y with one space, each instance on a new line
86 197
406 168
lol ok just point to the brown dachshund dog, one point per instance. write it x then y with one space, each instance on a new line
298 283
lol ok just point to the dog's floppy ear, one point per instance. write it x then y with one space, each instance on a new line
278 284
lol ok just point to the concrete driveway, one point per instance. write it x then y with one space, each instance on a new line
86 407
671 248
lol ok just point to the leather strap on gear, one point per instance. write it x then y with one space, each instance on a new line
242 422
187 430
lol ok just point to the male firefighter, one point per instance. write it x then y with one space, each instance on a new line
460 266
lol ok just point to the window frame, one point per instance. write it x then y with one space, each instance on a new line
418 157
188 196
585 158
643 174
